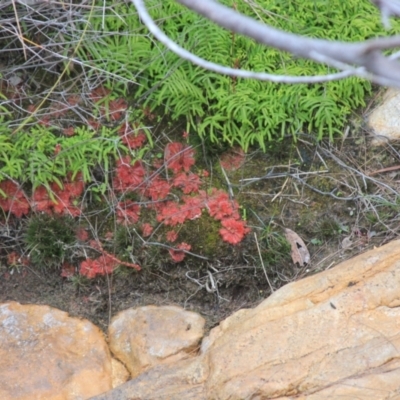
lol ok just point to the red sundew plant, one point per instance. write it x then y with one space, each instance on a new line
128 212
116 109
74 100
233 159
187 182
147 230
171 236
94 124
128 176
178 157
82 234
15 200
192 207
157 189
57 149
67 270
100 266
70 131
58 109
99 94
171 214
61 200
103 265
177 254
14 259
134 139
220 206
233 231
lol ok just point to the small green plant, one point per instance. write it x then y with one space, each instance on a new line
49 239
79 281
43 156
276 247
330 227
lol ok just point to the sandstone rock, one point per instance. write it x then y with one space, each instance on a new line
119 373
45 354
334 335
183 379
147 336
385 119
335 332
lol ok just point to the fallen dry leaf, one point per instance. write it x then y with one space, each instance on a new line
299 252
347 242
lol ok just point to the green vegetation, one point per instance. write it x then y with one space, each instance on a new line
222 108
50 240
277 248
330 227
34 154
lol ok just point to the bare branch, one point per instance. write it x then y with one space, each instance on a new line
366 55
388 8
153 28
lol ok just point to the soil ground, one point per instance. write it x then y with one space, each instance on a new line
331 195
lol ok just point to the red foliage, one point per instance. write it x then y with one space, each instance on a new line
171 236
62 204
177 254
74 100
220 206
109 235
12 90
233 159
128 212
31 108
103 265
70 131
58 109
63 198
192 207
67 270
128 177
99 93
233 231
75 187
187 182
13 258
94 124
42 200
15 201
147 112
178 157
158 164
133 139
45 121
158 189
82 234
116 108
57 149
147 229
171 214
